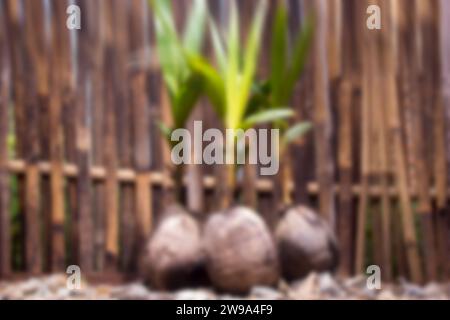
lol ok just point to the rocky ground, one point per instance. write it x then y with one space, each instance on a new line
315 286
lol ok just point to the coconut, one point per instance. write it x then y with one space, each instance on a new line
305 243
240 251
174 255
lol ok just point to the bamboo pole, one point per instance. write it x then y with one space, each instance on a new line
375 163
140 117
110 146
95 153
302 100
442 134
123 110
380 161
60 52
401 179
5 229
345 132
367 104
384 172
84 227
322 116
423 24
15 45
33 247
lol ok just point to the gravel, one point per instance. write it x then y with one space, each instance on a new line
314 286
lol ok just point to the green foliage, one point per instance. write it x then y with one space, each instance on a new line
286 67
231 85
184 86
266 116
294 132
238 98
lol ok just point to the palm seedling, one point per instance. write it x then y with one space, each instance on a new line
184 86
230 82
286 65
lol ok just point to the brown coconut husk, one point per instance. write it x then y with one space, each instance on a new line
240 251
174 256
305 243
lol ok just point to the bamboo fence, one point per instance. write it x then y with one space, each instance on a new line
84 171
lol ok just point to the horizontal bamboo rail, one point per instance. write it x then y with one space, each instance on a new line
127 175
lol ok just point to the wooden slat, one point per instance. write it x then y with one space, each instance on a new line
345 152
110 145
366 148
409 232
141 122
425 82
384 173
127 217
442 136
322 116
5 229
33 249
60 52
84 216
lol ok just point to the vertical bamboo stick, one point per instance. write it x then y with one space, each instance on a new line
141 122
322 116
375 156
408 94
15 43
334 38
345 131
401 179
98 123
60 50
110 145
5 234
380 174
301 100
43 101
442 134
368 52
33 20
154 87
423 23
382 153
84 226
127 218
385 199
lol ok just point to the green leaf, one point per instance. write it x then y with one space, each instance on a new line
195 27
186 99
259 98
232 77
251 57
184 87
213 84
168 44
266 116
165 130
296 131
216 39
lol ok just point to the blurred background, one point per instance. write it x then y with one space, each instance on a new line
83 166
